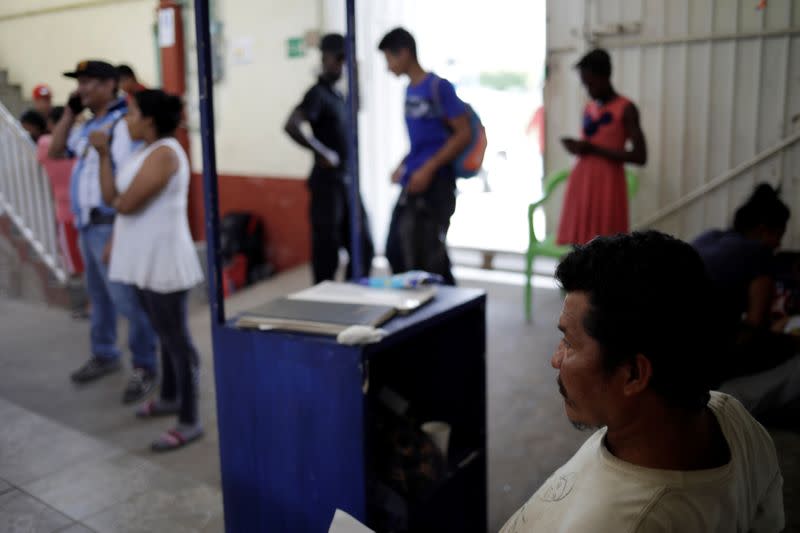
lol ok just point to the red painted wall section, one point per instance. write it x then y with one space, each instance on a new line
282 205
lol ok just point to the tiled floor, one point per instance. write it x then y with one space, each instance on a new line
75 458
53 478
23 512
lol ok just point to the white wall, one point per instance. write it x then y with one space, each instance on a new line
723 87
41 39
253 100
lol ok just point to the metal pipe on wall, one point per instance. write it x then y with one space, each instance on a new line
718 181
609 43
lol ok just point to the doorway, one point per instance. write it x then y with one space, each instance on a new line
494 53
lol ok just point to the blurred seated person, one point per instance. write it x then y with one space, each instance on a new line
741 264
34 124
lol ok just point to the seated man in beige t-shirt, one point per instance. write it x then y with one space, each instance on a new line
635 360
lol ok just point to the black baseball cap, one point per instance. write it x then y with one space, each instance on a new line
94 69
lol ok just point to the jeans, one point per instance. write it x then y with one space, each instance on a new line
417 237
180 363
107 297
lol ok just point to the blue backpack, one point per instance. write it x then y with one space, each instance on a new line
469 161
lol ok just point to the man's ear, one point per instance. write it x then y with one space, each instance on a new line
638 375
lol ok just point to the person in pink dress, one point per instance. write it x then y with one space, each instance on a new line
59 171
596 201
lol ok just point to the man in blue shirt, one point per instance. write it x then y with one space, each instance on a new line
98 84
438 131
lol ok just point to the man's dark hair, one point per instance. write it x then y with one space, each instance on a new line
125 71
165 109
598 62
33 118
333 43
396 40
56 113
649 294
764 207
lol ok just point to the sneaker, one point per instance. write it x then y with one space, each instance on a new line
95 368
141 384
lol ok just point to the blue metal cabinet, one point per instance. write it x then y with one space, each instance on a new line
293 414
295 411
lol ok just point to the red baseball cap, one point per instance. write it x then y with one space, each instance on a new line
42 92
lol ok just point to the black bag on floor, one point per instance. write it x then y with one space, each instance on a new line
243 233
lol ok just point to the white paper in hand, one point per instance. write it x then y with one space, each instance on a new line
344 523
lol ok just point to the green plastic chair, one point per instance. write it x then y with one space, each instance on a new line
547 247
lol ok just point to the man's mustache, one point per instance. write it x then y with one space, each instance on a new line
561 388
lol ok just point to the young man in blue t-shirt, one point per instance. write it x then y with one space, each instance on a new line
438 130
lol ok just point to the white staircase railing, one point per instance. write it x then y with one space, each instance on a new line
26 195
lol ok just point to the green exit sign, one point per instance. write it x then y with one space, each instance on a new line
295 47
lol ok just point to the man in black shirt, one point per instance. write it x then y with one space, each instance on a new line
324 109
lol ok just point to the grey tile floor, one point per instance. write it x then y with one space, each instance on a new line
75 459
53 478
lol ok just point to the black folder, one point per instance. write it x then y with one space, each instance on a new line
323 318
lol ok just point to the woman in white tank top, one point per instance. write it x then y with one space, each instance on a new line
153 250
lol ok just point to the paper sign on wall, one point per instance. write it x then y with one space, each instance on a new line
295 47
166 27
242 51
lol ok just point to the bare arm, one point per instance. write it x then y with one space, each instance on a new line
760 296
100 140
421 178
58 144
154 175
759 301
292 128
633 132
156 171
323 154
397 175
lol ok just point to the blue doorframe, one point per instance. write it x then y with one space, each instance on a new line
210 184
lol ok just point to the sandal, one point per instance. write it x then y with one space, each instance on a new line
155 408
174 439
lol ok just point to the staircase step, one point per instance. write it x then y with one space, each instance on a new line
11 95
